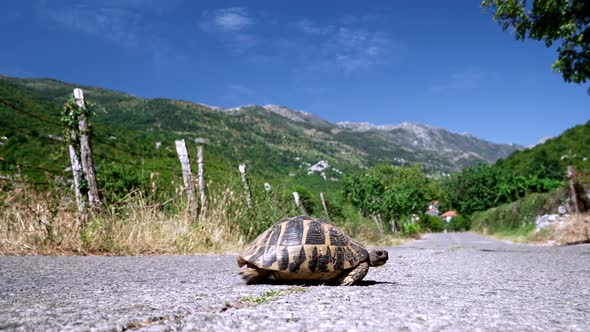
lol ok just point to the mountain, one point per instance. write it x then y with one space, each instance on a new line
278 143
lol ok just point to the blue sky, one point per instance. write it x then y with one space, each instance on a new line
441 63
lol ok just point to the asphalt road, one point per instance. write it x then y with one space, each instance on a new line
443 282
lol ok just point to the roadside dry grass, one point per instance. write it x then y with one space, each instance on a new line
47 223
575 229
34 223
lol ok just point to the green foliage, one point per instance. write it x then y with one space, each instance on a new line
71 116
471 190
272 295
431 223
552 21
267 207
392 192
518 215
538 169
482 187
548 161
458 224
335 208
133 143
411 229
306 200
119 180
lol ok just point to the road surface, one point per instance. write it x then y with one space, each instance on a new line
443 282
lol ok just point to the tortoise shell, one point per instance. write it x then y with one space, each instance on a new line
303 247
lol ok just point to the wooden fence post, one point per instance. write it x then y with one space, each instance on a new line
573 195
201 177
77 178
86 154
377 220
324 205
298 202
186 175
242 169
76 172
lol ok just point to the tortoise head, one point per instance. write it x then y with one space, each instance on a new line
378 257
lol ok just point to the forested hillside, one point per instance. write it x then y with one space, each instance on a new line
362 169
134 135
550 159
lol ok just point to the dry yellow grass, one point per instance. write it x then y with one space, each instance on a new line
47 223
573 230
33 223
576 229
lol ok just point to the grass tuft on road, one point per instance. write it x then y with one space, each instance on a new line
272 295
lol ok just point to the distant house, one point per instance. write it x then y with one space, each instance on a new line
449 214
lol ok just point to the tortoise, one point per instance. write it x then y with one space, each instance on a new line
307 249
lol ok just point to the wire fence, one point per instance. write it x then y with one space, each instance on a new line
16 171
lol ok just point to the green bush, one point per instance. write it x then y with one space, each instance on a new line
518 215
306 200
411 229
431 223
458 224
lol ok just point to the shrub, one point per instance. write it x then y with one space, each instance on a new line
458 224
431 223
412 229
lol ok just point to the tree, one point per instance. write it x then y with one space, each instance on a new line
566 22
473 189
391 192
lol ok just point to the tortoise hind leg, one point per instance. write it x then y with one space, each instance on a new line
354 276
254 275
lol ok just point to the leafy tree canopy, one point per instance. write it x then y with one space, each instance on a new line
564 21
390 191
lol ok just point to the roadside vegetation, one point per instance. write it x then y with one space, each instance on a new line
145 210
380 206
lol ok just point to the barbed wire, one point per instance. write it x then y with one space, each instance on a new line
113 146
111 159
20 110
34 183
20 131
50 171
95 137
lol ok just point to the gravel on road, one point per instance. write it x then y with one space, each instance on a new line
442 282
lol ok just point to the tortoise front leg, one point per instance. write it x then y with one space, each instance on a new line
254 275
354 276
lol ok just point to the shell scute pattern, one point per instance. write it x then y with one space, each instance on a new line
304 245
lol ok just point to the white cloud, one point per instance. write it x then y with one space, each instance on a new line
228 19
114 24
230 25
354 49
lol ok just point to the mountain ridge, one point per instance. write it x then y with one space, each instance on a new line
302 116
272 133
